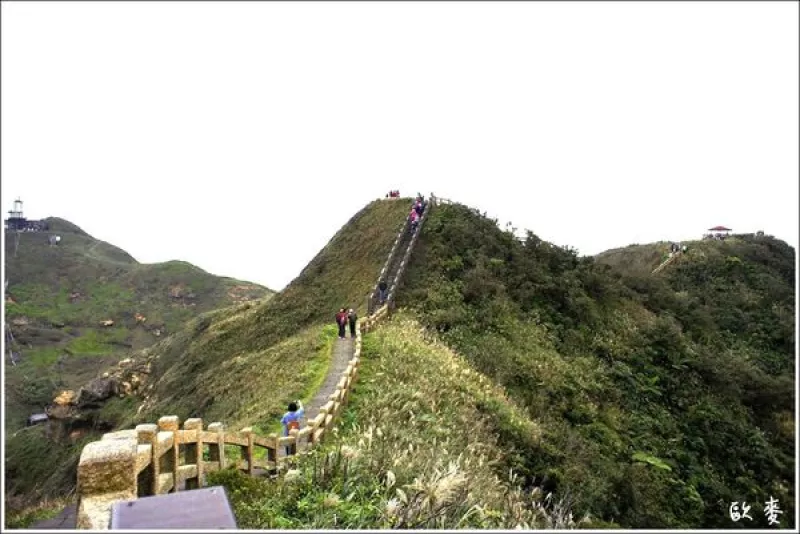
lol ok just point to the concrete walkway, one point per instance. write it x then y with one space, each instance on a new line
65 520
342 354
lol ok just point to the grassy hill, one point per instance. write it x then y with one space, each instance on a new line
57 298
241 364
517 385
661 399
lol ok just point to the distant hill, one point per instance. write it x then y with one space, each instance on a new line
58 298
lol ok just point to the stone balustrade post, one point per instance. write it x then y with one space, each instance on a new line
272 451
147 434
249 453
170 423
106 474
216 451
192 430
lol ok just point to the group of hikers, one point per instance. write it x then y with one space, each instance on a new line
416 212
344 317
677 247
294 416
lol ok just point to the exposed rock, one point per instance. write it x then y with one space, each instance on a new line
57 411
20 321
176 292
65 398
97 391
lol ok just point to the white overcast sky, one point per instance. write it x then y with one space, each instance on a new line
241 136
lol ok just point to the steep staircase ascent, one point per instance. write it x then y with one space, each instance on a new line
390 268
666 262
397 259
392 272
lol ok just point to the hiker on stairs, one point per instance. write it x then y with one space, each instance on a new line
414 216
382 287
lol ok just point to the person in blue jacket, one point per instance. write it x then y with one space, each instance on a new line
292 420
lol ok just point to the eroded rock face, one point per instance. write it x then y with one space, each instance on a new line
97 391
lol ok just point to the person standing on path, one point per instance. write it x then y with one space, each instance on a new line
341 320
291 420
352 318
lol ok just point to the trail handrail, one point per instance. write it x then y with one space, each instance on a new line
666 262
154 459
401 269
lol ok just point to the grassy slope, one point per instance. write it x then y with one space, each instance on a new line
418 448
662 399
636 259
242 364
269 347
61 342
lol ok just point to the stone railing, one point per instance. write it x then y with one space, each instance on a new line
404 262
372 298
394 283
154 459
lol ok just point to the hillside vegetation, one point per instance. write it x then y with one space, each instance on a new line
517 384
58 296
661 399
241 364
418 447
56 300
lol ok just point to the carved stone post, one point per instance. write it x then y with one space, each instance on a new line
216 451
147 434
106 474
169 423
192 429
